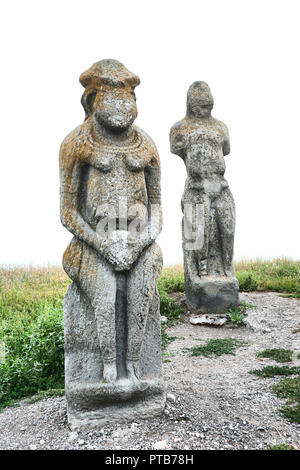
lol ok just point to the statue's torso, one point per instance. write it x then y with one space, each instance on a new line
112 175
204 159
117 186
204 156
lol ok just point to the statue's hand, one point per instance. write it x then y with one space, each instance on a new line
120 250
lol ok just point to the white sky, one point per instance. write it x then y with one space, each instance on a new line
247 51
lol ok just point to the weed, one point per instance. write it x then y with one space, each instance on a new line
288 388
291 413
169 308
171 281
273 371
236 316
278 355
165 338
247 282
217 347
280 447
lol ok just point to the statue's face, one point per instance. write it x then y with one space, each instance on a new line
115 107
199 100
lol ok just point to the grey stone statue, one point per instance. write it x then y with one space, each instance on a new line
111 203
209 212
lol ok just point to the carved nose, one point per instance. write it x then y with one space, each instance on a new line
124 106
119 111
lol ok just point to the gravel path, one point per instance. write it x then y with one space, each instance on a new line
218 404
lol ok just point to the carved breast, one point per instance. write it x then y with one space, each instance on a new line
204 153
113 180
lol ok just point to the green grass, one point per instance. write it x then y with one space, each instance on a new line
171 280
290 389
165 338
278 355
286 388
34 356
280 447
278 275
217 347
291 413
247 281
236 316
31 332
169 308
273 371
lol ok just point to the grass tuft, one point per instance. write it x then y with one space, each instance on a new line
237 316
273 371
169 308
291 413
217 347
165 338
280 447
278 355
288 388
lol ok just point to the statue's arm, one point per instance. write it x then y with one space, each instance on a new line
70 169
152 178
177 141
154 212
226 143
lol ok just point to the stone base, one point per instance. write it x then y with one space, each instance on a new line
92 406
212 294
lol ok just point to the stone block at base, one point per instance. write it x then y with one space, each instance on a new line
212 294
94 406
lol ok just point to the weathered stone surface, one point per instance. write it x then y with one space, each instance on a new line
110 202
209 320
207 203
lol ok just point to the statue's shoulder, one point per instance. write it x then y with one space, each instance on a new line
75 141
221 126
179 127
147 143
179 137
145 138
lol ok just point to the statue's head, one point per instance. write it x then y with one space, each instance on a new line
199 100
109 94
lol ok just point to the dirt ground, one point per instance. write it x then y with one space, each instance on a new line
214 403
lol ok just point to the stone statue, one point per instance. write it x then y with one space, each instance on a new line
111 203
209 213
